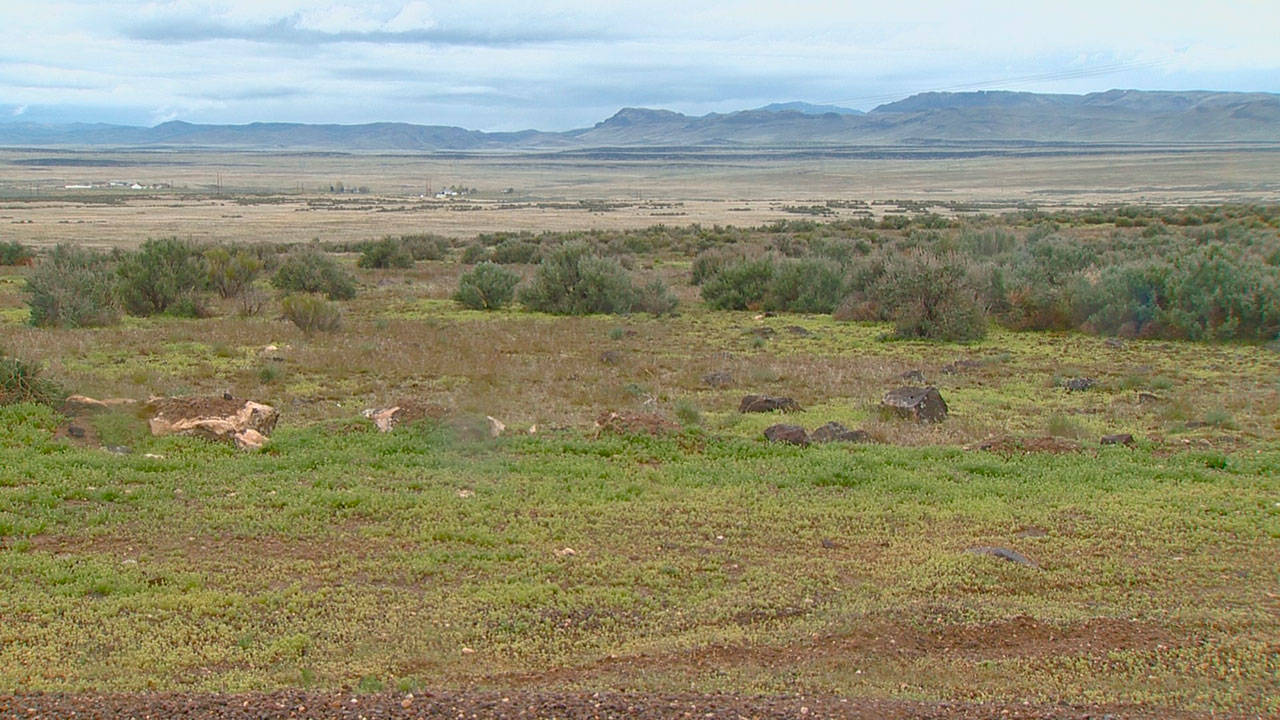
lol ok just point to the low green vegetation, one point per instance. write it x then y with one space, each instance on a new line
534 560
703 558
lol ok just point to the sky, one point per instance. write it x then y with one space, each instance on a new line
560 64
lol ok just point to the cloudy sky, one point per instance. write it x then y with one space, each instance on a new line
557 64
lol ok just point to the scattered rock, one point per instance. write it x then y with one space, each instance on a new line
960 366
625 423
386 419
1002 553
611 357
1008 445
84 405
913 376
798 331
1115 343
718 380
76 432
922 404
765 403
118 449
496 426
1032 532
835 432
792 434
829 544
1079 384
1146 398
250 439
1117 439
566 552
243 423
762 332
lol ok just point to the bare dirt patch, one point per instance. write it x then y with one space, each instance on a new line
525 704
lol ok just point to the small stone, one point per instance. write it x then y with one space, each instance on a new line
496 426
566 552
1079 384
1002 553
835 432
1117 439
765 403
75 431
717 380
792 434
922 404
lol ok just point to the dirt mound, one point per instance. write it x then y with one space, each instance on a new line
532 704
625 423
1009 445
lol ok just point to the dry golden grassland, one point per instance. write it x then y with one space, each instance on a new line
285 197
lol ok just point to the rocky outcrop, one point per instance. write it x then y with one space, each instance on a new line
835 432
790 434
922 404
765 403
243 423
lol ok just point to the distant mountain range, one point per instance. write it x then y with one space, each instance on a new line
1115 116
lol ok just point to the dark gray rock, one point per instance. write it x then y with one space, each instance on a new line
914 377
610 357
792 434
76 431
1079 384
1117 439
1003 554
922 404
960 366
798 331
765 403
835 432
717 380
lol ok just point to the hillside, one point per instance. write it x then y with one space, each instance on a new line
1107 117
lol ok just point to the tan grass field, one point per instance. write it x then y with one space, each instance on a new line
252 196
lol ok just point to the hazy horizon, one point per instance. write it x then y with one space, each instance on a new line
561 65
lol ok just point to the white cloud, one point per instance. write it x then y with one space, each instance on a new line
558 63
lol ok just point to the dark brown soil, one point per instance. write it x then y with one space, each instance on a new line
533 704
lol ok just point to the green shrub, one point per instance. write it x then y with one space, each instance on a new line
1214 296
426 246
516 252
488 286
21 381
709 263
230 272
312 271
385 253
739 285
811 285
476 253
164 275
311 313
655 298
15 253
572 281
73 287
933 296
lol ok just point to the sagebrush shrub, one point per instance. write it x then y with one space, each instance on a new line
385 253
164 275
933 297
15 253
739 285
655 298
572 281
811 285
311 313
21 381
73 287
230 271
488 286
312 271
